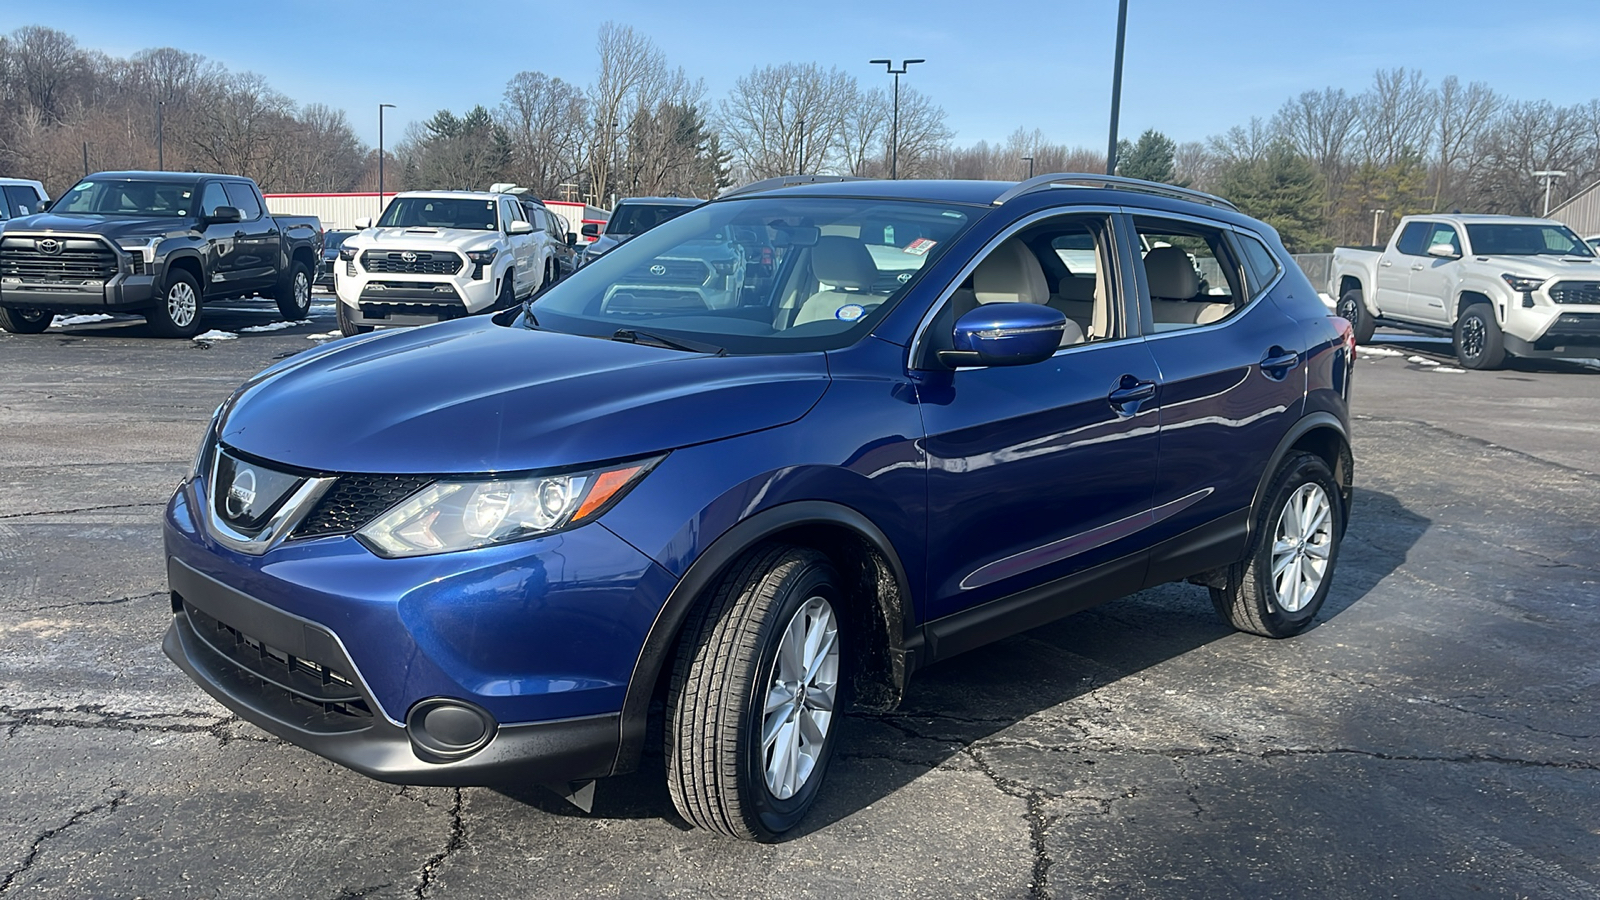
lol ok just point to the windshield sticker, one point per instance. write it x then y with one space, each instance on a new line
850 312
83 186
920 246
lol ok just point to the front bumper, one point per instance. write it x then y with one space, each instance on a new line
1562 332
395 299
121 292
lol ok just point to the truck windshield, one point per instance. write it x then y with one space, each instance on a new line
129 198
440 212
758 275
1523 239
634 218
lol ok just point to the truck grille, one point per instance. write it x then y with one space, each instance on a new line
1580 292
394 262
56 259
669 271
355 500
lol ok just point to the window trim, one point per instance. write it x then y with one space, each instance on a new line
1144 291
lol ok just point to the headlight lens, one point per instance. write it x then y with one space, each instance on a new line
1522 285
482 257
144 248
461 515
348 254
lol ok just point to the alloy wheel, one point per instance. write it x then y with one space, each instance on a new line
302 290
799 704
1301 546
1472 337
181 305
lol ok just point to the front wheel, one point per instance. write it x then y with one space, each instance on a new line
1479 342
1353 310
24 321
294 295
1279 587
755 697
347 325
177 312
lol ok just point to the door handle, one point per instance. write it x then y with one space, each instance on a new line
1386 263
1416 267
1129 394
1278 361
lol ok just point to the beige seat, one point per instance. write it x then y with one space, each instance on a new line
1012 274
1173 286
847 274
1075 296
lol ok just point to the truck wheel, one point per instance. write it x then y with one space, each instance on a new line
508 292
24 321
754 702
1276 591
347 327
177 311
1479 344
294 294
1353 310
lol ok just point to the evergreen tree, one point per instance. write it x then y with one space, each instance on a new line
1150 159
1283 189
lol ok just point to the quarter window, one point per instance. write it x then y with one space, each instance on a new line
1263 266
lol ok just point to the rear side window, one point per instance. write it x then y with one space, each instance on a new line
1262 266
1190 274
1413 240
244 199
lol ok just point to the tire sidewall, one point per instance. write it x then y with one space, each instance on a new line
772 815
288 303
27 321
1360 320
347 327
161 319
1302 470
1489 355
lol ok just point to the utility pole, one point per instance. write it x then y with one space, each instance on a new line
801 151
161 159
1029 161
86 159
381 108
894 139
1116 87
1375 214
1549 176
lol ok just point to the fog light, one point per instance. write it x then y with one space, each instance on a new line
442 729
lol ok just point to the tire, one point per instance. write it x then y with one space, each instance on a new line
721 773
177 311
1352 308
508 292
294 294
1254 599
347 327
1478 341
24 321
552 273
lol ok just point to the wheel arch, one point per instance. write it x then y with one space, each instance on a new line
1324 435
1349 282
303 254
187 262
874 581
1469 297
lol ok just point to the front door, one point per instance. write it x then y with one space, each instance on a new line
1430 276
222 242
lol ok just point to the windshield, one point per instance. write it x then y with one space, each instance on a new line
1525 239
129 198
633 218
440 212
333 240
758 275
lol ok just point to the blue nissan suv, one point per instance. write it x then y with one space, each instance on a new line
481 552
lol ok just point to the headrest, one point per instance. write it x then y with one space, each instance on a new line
1077 288
1011 274
1170 273
843 262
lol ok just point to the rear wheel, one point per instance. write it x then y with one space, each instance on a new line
347 325
752 709
177 312
24 321
508 292
294 294
1353 310
1479 343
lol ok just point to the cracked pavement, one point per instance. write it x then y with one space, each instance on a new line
1435 736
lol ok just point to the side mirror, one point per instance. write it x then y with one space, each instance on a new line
591 230
1005 334
1444 251
224 215
572 239
520 227
363 223
44 205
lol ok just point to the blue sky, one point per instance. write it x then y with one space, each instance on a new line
1193 68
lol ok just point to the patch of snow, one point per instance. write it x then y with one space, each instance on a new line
325 337
273 326
215 335
1376 351
1451 369
1422 361
1326 300
63 321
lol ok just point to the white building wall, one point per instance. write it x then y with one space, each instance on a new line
338 212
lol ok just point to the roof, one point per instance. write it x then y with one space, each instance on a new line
1483 218
981 193
468 195
164 176
662 201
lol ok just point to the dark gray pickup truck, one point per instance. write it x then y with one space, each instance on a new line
160 244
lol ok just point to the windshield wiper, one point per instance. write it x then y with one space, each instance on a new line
635 336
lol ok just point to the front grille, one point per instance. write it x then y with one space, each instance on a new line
75 259
444 312
355 500
314 686
393 262
670 271
1579 292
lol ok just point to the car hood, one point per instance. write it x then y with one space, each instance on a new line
1545 267
605 242
472 396
113 227
425 239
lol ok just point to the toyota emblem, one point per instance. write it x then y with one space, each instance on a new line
658 269
49 246
241 493
408 256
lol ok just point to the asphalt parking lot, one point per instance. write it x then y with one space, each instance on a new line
1437 735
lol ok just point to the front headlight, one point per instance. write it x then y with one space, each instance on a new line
483 257
1522 285
205 442
347 254
460 515
144 248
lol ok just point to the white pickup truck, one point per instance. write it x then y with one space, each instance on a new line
1497 285
438 255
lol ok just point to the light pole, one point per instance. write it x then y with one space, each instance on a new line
800 143
1116 87
894 139
161 159
1029 161
1549 176
381 108
1375 214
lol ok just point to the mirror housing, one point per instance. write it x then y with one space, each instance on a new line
572 239
590 230
363 223
1443 251
224 215
520 226
1005 334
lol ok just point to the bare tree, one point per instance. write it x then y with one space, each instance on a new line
1462 114
1397 116
547 120
863 128
1243 143
43 63
238 126
922 134
628 62
786 119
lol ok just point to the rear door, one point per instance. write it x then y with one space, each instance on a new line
260 244
1395 268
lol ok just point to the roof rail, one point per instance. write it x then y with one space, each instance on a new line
769 184
1080 179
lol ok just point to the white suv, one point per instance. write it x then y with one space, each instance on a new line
438 255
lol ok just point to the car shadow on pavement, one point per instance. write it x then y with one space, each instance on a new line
1028 682
1441 350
